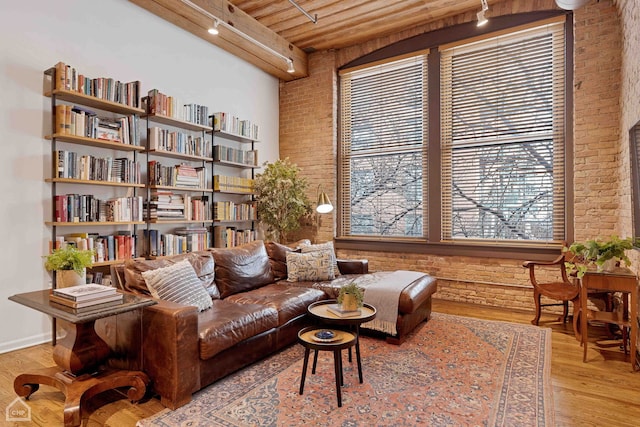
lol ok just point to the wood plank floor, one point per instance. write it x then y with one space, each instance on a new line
601 392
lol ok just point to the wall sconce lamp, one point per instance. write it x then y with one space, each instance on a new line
481 18
324 204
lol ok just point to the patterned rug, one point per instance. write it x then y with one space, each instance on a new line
452 371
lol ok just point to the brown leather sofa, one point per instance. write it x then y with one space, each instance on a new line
255 313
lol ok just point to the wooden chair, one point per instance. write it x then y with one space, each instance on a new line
562 289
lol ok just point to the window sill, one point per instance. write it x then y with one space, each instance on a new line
507 250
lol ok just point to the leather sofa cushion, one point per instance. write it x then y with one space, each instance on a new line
289 301
202 263
226 324
278 259
241 268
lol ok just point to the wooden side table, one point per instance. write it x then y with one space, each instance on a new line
343 340
620 280
368 312
80 356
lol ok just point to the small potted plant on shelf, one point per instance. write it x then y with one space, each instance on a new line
351 297
604 255
70 265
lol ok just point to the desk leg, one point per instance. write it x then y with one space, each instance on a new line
583 319
633 320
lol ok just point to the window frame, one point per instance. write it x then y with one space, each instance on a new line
433 244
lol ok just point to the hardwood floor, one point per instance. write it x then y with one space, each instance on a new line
601 392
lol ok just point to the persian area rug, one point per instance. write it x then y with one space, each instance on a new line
452 371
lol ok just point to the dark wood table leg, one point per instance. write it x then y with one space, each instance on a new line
337 363
315 361
304 368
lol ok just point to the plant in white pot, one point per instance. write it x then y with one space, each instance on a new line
70 265
604 255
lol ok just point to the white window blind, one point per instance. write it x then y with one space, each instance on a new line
383 156
502 137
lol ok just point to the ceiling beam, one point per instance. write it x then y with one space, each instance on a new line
197 23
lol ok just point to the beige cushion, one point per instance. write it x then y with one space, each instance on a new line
178 283
311 266
327 246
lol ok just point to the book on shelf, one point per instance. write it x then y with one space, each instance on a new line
339 311
114 299
84 292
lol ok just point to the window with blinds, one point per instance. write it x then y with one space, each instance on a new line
501 146
502 136
383 156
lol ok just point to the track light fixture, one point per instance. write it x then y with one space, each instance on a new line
214 29
219 23
481 18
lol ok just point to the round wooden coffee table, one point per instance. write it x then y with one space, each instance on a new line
338 342
320 311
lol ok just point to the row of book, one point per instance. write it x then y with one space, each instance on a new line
105 247
88 208
165 105
183 240
106 88
68 164
165 205
85 298
226 122
234 155
234 184
79 121
230 211
178 142
183 175
227 237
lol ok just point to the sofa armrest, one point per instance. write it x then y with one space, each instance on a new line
170 351
353 266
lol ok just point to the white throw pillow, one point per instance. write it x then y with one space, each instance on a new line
178 283
309 267
327 246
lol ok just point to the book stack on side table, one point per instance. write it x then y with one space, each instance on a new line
83 298
340 312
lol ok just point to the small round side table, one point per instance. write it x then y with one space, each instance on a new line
343 339
320 311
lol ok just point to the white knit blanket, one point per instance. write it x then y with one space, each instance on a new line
382 290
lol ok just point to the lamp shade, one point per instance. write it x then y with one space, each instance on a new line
324 204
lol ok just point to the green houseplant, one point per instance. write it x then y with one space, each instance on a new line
281 198
351 296
70 264
601 254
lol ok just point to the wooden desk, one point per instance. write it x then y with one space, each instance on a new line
620 280
80 356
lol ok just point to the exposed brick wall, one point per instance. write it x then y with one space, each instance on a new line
308 137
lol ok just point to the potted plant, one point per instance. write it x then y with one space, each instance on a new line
351 297
70 265
281 198
604 255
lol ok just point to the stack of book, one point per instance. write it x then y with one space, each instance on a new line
340 312
83 298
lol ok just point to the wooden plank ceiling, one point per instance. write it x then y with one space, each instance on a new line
284 29
342 23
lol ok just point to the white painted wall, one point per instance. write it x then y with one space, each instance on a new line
109 38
